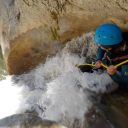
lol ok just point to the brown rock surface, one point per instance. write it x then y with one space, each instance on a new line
28 50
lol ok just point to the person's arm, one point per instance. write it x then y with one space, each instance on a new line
121 77
100 54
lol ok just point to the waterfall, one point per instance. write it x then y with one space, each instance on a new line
56 90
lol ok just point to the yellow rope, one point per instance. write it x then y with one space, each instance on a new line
103 65
86 65
126 61
93 65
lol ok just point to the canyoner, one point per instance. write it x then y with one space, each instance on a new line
112 53
113 49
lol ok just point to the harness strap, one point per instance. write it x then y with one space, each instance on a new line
120 58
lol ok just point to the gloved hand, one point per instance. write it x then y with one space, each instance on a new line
111 70
98 64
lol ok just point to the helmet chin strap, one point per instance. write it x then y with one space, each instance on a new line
106 49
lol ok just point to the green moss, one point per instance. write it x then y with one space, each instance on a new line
55 33
3 71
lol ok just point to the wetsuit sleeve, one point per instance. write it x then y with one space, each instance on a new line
100 54
117 78
121 77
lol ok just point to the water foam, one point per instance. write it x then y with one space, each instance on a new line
56 89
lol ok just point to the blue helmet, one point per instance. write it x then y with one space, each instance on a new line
108 35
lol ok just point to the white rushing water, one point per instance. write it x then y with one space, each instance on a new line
56 90
9 97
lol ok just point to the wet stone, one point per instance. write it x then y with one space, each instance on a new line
115 106
27 121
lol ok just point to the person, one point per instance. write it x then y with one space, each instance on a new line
112 49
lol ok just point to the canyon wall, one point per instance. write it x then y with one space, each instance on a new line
30 30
